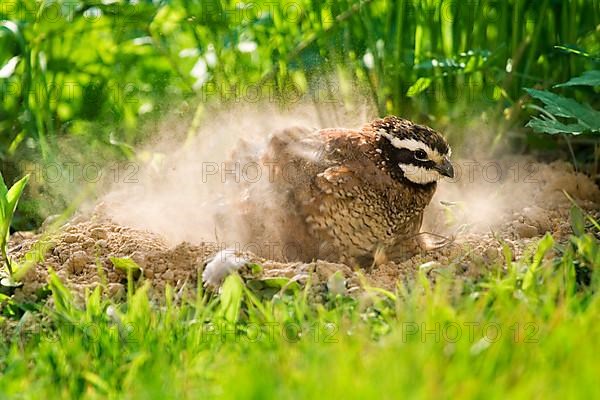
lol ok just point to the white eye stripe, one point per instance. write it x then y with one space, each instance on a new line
412 145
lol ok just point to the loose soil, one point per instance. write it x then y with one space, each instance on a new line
479 215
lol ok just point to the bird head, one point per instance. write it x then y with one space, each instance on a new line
413 152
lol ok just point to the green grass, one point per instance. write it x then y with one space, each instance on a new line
96 79
9 198
528 329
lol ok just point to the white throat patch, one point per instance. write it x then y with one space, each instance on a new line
419 175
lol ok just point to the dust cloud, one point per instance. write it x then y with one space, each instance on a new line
182 207
190 192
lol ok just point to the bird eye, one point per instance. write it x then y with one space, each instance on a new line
421 155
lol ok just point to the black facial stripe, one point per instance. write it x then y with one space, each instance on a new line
397 156
427 164
393 158
403 156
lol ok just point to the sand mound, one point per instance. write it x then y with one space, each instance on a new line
81 257
481 213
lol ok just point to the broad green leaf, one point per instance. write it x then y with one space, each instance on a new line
419 86
281 283
564 107
231 297
577 221
3 188
14 194
528 278
276 282
255 268
3 207
128 265
4 220
589 78
553 127
8 204
124 263
255 284
544 245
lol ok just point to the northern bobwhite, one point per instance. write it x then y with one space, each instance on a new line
348 195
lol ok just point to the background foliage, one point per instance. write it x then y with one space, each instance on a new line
98 74
92 78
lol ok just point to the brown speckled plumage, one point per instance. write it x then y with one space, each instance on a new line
343 195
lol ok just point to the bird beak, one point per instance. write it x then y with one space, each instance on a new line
446 168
